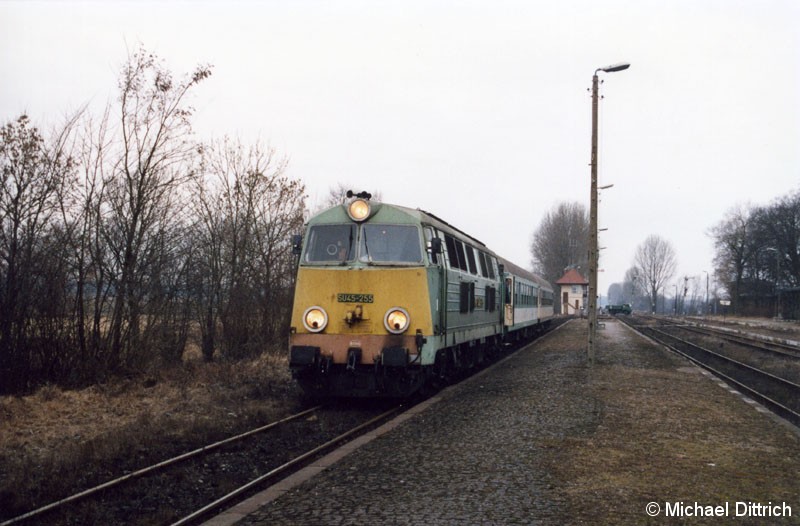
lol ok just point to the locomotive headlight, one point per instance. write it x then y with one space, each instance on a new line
315 319
396 320
358 210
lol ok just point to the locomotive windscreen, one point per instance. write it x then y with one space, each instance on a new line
390 244
330 243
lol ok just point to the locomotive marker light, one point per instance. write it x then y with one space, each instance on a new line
594 255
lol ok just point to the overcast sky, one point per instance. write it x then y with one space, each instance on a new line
476 111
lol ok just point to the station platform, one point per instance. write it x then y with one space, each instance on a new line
640 437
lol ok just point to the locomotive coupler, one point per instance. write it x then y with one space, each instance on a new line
324 364
353 358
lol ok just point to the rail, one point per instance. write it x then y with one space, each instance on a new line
284 468
153 468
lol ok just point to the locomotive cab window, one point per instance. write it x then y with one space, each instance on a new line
390 244
330 244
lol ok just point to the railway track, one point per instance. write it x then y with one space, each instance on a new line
754 340
779 394
776 357
189 487
184 489
759 344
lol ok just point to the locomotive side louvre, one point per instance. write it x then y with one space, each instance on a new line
472 314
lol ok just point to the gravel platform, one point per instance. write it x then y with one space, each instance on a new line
643 437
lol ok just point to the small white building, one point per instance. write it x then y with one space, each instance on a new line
574 292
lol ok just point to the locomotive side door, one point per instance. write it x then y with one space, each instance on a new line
437 279
508 301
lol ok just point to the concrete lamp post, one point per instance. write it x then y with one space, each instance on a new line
593 250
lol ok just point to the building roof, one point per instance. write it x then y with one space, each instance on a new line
572 277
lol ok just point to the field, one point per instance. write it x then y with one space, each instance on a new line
54 442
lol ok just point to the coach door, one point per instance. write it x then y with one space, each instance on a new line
508 300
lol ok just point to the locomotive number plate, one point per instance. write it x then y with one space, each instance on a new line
354 298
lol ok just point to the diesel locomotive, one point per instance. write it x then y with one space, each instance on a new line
389 300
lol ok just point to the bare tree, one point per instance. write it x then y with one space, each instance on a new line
628 291
561 240
116 234
777 232
734 244
245 210
149 167
33 175
655 263
83 218
632 288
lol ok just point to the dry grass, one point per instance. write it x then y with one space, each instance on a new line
54 439
685 439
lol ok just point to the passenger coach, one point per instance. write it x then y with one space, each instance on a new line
389 299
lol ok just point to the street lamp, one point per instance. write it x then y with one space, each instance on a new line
593 252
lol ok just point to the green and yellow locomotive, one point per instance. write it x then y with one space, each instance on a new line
389 299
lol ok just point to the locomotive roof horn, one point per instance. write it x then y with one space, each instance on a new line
362 195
